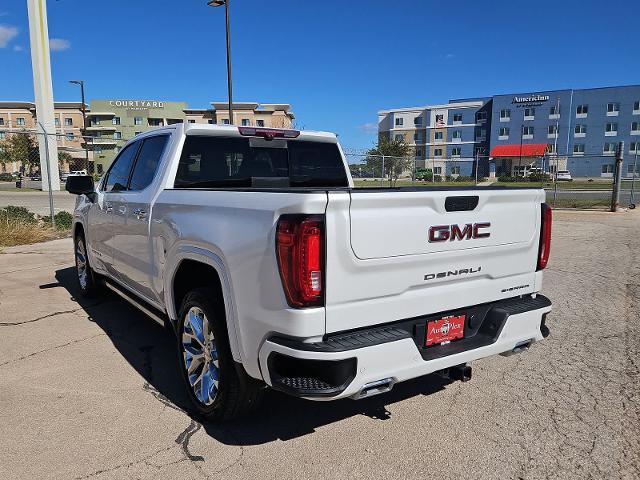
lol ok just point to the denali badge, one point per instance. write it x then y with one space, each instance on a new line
449 273
442 233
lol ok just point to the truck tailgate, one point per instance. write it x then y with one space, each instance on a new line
393 255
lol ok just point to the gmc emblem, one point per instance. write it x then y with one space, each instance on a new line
442 233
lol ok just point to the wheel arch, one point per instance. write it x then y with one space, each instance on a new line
190 268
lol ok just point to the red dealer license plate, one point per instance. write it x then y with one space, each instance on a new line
445 330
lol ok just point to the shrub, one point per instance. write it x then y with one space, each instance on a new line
6 177
17 214
538 177
64 220
19 226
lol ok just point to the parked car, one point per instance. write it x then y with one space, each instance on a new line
564 176
7 177
78 172
63 176
255 250
36 177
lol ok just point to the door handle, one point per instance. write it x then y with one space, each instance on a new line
122 209
108 207
139 213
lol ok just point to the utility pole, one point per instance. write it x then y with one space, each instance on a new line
43 89
84 124
633 178
219 3
617 178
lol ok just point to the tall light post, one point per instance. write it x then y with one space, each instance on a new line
84 122
219 3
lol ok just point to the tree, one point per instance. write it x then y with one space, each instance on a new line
396 156
20 148
64 158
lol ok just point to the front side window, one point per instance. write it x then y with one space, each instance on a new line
580 129
137 120
399 122
222 162
635 126
457 117
553 129
68 122
505 113
456 151
609 148
636 105
457 134
503 132
148 161
611 127
118 176
527 130
437 152
613 107
246 122
259 123
578 148
20 121
115 121
117 135
582 109
554 110
530 112
439 136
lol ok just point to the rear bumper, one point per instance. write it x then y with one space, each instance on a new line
345 364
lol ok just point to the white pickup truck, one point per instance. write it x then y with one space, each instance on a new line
252 245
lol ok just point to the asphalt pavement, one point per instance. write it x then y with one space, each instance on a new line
89 388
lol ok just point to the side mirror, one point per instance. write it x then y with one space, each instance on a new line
80 184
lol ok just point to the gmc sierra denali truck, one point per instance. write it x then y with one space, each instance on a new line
252 245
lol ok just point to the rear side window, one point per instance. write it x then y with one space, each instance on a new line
222 162
147 163
118 176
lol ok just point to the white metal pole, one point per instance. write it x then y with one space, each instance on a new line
43 89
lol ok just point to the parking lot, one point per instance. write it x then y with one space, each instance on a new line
89 389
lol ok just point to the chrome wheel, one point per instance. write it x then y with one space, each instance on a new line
200 356
81 263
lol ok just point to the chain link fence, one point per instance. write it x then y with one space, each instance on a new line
575 181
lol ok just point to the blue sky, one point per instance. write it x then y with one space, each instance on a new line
336 62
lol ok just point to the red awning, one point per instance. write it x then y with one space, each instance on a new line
529 150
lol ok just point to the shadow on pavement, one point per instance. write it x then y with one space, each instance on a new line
150 350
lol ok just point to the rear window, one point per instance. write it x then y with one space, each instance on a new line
221 162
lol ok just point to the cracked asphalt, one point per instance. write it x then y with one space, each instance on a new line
89 389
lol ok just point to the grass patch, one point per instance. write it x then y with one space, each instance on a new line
581 203
19 226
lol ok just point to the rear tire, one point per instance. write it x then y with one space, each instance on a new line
219 389
86 276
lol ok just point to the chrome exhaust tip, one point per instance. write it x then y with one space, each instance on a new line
374 388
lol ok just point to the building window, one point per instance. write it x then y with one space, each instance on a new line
97 134
455 170
438 136
20 121
613 108
210 121
607 168
437 152
137 120
68 122
225 121
456 151
481 117
527 132
1 121
505 115
70 136
582 111
95 122
580 130
135 134
1 138
97 149
635 128
417 121
552 130
56 121
115 120
633 146
418 152
155 122
191 121
578 149
457 118
609 148
554 111
456 135
399 137
503 133
551 148
117 135
611 129
481 134
437 170
399 122
416 137
245 122
636 107
260 123
529 113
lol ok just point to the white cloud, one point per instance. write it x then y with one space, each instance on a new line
59 44
369 127
7 32
17 48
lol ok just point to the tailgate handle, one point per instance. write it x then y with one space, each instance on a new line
461 204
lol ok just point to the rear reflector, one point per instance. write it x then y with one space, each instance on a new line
545 236
268 132
300 254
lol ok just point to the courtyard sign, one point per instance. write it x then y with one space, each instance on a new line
136 104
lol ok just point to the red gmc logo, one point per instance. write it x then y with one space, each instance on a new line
442 233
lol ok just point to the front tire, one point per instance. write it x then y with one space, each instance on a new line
86 276
217 387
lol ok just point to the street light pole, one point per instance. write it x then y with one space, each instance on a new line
219 3
84 122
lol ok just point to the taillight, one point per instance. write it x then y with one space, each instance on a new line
300 253
268 133
545 236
